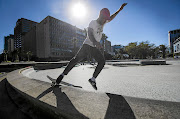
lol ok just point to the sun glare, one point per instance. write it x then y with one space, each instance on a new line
79 10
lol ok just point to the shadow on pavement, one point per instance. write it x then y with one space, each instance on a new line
8 109
44 93
63 103
118 108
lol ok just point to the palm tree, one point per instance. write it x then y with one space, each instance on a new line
29 54
5 55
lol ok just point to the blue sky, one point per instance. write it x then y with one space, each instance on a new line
140 20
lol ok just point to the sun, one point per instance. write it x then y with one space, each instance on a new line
78 10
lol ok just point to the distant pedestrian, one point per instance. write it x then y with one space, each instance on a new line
92 46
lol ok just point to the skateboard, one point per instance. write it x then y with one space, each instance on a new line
53 83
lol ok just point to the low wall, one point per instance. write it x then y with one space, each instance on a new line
153 62
37 65
49 66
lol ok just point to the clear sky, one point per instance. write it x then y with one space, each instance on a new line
140 20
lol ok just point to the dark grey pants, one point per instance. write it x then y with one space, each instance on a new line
84 51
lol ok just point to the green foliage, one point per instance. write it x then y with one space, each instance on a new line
144 50
131 49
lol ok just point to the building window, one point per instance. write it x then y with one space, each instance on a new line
174 48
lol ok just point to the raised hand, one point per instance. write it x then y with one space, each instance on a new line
122 6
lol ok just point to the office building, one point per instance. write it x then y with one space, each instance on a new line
22 27
172 36
30 41
9 43
53 39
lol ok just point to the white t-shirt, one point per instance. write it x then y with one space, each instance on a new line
97 32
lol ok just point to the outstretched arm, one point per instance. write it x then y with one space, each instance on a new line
114 15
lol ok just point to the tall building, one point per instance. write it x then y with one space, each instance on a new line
53 39
9 43
22 27
30 41
107 46
172 36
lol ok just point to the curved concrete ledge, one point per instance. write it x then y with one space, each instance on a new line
49 65
30 106
24 91
39 100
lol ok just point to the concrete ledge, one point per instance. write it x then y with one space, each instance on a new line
49 66
31 106
123 64
153 62
38 99
7 67
71 103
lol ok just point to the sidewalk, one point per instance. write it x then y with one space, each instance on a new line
69 102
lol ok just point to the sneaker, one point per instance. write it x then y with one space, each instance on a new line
59 79
93 84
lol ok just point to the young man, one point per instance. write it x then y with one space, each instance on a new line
92 45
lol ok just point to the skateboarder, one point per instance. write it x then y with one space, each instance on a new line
92 45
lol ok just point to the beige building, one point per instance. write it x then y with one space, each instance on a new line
53 39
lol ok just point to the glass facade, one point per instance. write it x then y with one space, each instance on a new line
64 38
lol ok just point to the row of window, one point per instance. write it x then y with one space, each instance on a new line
58 22
60 54
59 46
61 30
176 48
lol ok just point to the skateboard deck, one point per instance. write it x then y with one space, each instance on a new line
62 83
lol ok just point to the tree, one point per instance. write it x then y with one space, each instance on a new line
29 54
120 53
131 49
154 51
162 49
5 55
16 54
144 49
